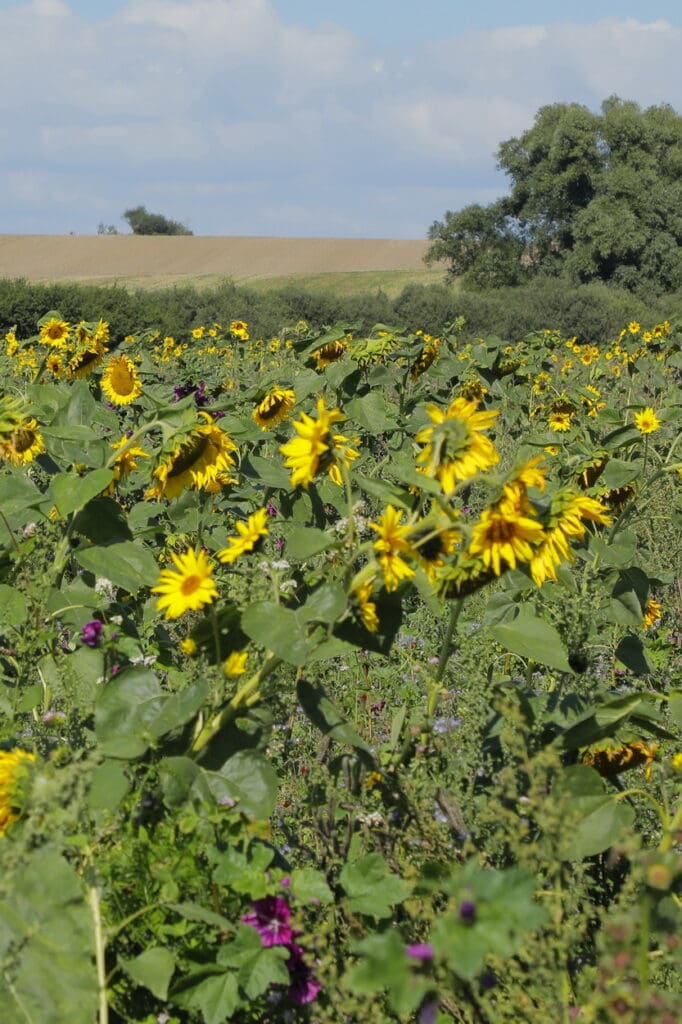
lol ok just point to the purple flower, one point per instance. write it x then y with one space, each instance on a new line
270 918
279 544
91 633
271 509
304 986
420 951
467 911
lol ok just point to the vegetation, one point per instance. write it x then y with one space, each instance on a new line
594 197
339 668
144 223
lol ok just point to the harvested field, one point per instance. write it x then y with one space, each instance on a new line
158 261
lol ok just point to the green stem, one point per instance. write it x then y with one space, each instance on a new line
100 950
245 696
445 652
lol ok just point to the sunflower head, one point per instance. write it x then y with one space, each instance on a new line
273 408
22 444
329 353
120 381
188 587
54 332
197 462
316 449
15 766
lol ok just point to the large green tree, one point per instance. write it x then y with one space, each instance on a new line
594 197
144 223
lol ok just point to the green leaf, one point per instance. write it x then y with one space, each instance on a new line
630 652
325 716
597 819
371 888
217 997
618 473
267 471
629 597
325 604
102 521
128 565
278 629
245 873
532 638
385 492
124 710
248 778
383 966
309 885
305 541
675 701
13 607
152 969
372 412
71 493
108 786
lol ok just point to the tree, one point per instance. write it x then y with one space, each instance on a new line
594 197
143 223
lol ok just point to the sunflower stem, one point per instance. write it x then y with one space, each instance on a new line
246 696
445 652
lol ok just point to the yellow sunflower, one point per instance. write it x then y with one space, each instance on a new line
647 421
14 765
367 608
239 329
455 446
560 421
612 758
316 448
392 543
329 353
505 535
235 664
198 463
188 589
55 332
86 358
120 382
652 613
250 534
426 357
565 522
125 462
22 444
54 364
274 408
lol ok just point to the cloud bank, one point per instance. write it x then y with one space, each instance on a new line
224 115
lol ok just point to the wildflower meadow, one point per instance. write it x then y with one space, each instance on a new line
341 675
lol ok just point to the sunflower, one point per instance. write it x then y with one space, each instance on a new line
54 364
652 613
647 421
120 382
239 329
197 463
22 444
560 421
235 664
455 446
433 539
188 589
274 408
505 534
125 462
250 534
392 543
366 608
55 332
613 758
14 765
329 353
566 522
86 358
316 448
427 355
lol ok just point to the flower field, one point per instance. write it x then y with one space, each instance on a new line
341 675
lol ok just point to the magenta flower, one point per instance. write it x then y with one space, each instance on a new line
91 632
420 951
304 986
270 918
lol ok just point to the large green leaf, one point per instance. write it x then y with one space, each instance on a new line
152 969
124 711
128 565
532 638
13 607
323 713
249 779
71 493
597 818
278 629
371 888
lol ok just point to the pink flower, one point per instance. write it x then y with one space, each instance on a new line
270 918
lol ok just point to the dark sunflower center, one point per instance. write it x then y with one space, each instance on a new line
270 407
22 440
84 359
188 455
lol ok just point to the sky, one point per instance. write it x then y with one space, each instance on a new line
359 119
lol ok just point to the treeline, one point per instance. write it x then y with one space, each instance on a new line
593 312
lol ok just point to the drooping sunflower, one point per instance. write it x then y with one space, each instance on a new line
86 358
426 356
652 613
505 535
565 522
14 768
188 589
455 447
125 462
120 381
55 332
273 408
612 758
316 448
393 542
329 353
250 534
433 539
22 444
200 462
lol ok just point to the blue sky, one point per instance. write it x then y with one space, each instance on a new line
366 118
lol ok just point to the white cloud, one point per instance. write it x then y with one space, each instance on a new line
235 105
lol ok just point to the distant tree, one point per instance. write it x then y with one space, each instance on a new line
594 197
106 229
143 223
